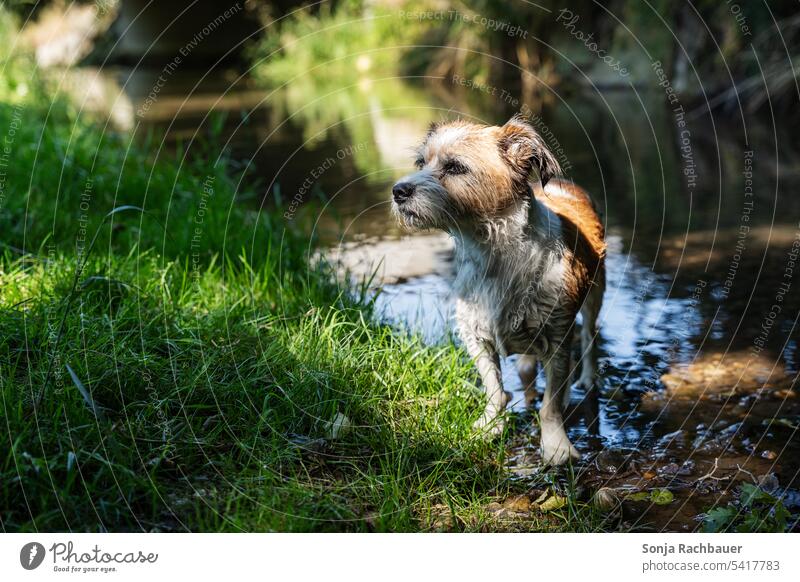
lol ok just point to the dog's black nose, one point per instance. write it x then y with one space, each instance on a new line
402 191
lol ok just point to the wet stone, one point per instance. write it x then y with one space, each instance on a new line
611 461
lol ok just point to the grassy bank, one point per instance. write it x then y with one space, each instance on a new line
169 360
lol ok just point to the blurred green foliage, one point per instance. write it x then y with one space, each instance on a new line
706 47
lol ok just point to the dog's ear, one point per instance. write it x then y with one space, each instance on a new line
524 149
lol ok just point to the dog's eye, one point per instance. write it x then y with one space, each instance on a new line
419 162
454 167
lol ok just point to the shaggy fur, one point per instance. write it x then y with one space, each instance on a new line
529 257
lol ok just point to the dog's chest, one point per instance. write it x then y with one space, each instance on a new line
513 301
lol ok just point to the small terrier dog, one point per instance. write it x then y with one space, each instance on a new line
529 256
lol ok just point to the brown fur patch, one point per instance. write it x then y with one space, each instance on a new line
584 236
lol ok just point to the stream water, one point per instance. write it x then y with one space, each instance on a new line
699 339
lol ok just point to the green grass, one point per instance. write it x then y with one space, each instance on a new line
180 374
212 394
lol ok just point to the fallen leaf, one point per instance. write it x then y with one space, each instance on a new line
661 496
339 427
541 498
638 496
555 502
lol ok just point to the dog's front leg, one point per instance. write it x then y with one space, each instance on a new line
477 338
556 448
487 361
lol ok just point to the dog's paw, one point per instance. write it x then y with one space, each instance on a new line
490 426
557 450
585 383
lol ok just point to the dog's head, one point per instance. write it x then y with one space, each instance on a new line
467 171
